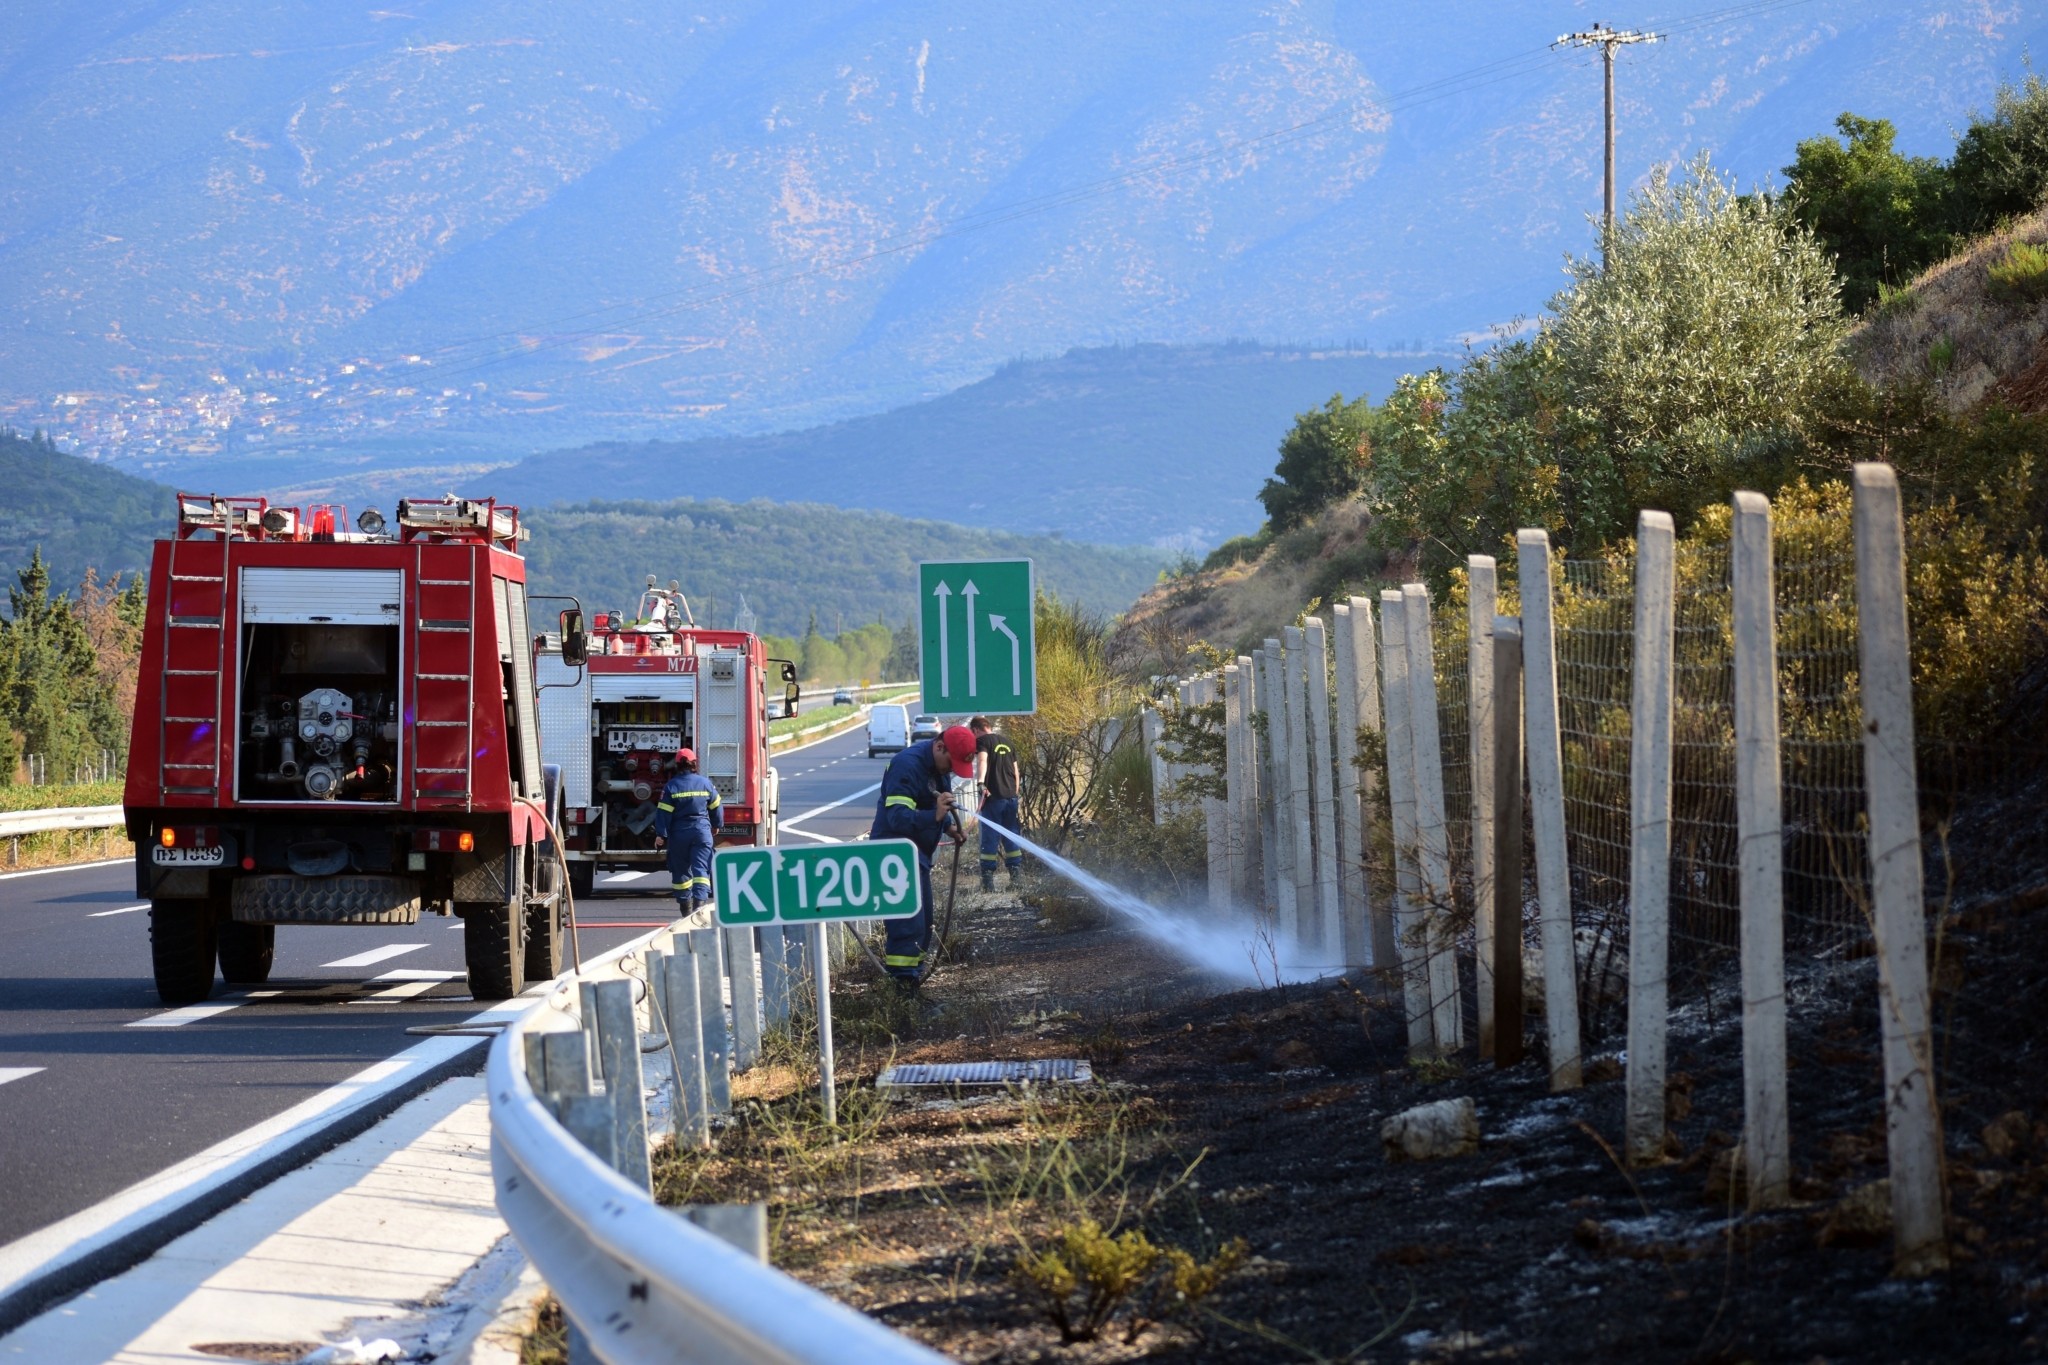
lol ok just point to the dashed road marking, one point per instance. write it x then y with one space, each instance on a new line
124 910
16 1073
184 1014
376 955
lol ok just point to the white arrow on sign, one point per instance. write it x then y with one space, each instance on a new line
945 594
969 593
1016 653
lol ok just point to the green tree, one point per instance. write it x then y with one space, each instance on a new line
1698 358
1322 459
2000 167
902 661
54 701
1883 215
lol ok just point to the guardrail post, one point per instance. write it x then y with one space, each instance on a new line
1329 909
1432 831
608 1015
1507 840
711 1002
683 1014
1482 599
741 1225
774 976
1545 757
1409 955
746 997
1760 833
1649 882
1897 891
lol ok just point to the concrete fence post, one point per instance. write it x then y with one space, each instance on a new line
1759 828
1274 849
1544 754
1649 883
1301 793
1152 730
1328 912
1410 952
1235 777
1280 722
1432 827
1249 797
1482 600
1897 893
1216 809
1367 644
1356 672
1507 840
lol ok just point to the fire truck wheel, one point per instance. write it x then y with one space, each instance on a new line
245 952
181 950
494 947
582 879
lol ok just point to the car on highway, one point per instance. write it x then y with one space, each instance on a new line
925 727
888 730
842 696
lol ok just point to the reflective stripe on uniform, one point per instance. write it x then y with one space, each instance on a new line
990 858
902 960
714 800
664 806
906 802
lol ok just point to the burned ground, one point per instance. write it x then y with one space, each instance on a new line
1224 1114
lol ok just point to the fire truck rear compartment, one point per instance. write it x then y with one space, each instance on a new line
632 758
319 713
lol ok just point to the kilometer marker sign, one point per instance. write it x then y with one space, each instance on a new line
872 879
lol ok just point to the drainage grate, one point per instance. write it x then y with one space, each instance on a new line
1066 1070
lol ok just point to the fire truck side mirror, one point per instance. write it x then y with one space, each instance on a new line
575 643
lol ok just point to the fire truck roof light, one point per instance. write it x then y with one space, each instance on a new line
371 522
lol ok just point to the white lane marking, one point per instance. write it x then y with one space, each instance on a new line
405 990
417 974
806 834
376 955
16 1073
623 877
68 867
124 910
185 1014
831 805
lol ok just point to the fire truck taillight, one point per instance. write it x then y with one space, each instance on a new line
169 837
188 836
443 841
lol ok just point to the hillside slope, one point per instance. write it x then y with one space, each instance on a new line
231 225
1119 445
79 514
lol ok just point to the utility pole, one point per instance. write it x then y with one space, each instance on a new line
1607 39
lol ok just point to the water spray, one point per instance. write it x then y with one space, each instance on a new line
1241 949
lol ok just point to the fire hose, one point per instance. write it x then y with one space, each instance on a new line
959 835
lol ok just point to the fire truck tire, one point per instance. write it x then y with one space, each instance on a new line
245 952
494 948
582 879
181 938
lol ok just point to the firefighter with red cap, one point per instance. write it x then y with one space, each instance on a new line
917 804
685 818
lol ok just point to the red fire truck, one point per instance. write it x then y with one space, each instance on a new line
654 683
336 725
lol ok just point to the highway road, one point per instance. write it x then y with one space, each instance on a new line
102 1086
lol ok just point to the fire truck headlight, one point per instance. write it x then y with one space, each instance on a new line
169 837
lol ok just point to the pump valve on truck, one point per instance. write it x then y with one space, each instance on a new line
337 726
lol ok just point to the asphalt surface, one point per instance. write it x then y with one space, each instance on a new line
102 1085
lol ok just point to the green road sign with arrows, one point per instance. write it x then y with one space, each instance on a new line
975 650
870 879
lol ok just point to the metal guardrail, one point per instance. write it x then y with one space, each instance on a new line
644 1286
18 822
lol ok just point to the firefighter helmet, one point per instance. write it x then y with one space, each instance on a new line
687 757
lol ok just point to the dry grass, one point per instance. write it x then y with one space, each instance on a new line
1951 329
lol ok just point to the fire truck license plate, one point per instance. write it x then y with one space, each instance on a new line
627 741
188 857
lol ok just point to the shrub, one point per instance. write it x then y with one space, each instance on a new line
2021 275
1082 1277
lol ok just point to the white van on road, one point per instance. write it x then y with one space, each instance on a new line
888 730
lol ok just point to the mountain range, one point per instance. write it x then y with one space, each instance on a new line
466 231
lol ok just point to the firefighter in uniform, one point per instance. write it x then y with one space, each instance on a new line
684 820
917 804
995 765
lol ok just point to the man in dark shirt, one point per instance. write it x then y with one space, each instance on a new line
995 765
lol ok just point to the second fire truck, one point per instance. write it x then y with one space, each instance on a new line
654 683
